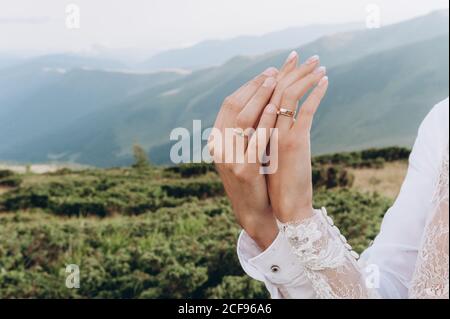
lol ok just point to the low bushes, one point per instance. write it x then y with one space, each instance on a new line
374 158
191 170
187 251
9 179
153 233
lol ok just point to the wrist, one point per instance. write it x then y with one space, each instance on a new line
263 231
294 215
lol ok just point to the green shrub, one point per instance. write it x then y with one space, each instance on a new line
12 181
191 170
196 189
4 173
241 287
372 158
331 177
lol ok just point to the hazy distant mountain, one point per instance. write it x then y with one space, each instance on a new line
70 61
17 81
8 60
216 52
383 82
38 102
375 101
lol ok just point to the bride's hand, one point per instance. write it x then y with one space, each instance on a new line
246 187
290 188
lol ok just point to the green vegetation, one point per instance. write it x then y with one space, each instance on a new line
371 158
153 233
141 161
9 179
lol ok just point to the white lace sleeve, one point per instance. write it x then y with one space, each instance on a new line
431 276
326 258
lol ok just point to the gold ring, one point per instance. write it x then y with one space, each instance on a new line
239 132
286 112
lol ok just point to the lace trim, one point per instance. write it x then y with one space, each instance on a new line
431 277
441 193
327 259
314 250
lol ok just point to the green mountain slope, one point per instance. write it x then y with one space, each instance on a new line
48 100
377 77
381 99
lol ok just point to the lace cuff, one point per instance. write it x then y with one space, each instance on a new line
328 260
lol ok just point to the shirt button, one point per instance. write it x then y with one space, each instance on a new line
275 268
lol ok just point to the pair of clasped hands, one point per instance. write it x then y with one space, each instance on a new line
257 199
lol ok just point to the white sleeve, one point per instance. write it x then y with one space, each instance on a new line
395 249
394 252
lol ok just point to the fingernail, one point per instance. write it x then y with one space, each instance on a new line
291 56
269 83
320 70
312 59
323 81
271 109
271 71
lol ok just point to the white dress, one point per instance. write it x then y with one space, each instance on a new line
408 259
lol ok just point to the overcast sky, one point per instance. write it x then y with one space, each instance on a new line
30 25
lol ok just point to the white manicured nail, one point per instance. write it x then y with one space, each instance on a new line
323 81
271 71
320 70
312 59
291 56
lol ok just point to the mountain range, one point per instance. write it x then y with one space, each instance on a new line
382 84
216 52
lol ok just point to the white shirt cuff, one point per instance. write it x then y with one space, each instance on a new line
277 264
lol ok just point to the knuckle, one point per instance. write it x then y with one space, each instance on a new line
289 144
262 95
301 72
307 112
314 98
282 85
244 121
258 81
241 173
290 94
312 78
231 102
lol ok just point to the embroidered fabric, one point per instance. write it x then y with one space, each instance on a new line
327 259
330 264
431 276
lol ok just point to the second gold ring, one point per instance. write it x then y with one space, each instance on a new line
286 112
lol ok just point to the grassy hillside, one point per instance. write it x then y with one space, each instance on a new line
154 232
386 181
